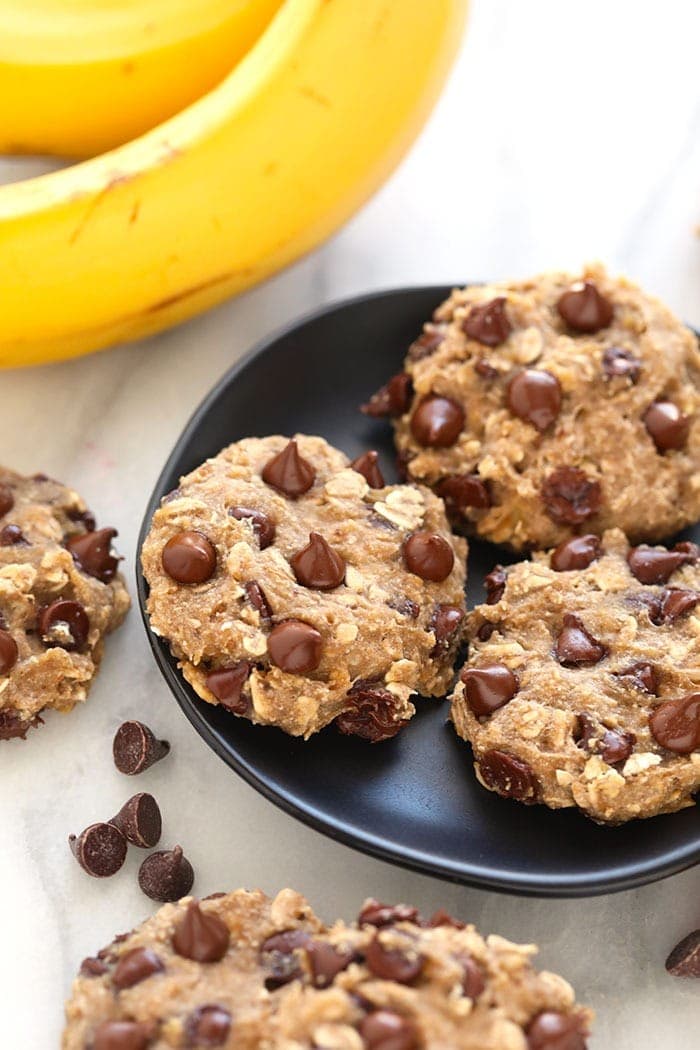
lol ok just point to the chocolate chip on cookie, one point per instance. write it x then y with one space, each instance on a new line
577 553
227 685
402 965
667 426
584 308
135 966
570 496
189 558
295 647
575 646
428 556
508 775
368 466
208 1026
393 399
618 362
387 1030
488 322
437 422
201 935
318 565
64 623
489 687
535 397
262 525
289 472
92 552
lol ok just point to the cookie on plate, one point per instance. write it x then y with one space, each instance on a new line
60 593
582 686
550 406
297 589
244 971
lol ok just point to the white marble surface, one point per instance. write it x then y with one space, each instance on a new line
567 132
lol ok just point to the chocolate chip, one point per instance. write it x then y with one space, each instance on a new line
641 675
372 713
8 652
445 623
122 1035
295 647
189 558
12 536
535 396
139 821
584 309
227 686
437 422
576 553
484 369
495 584
489 687
656 564
405 606
279 955
552 1030
92 967
666 425
387 1030
485 631
63 624
403 458
166 875
135 966
289 472
368 466
673 603
263 527
575 646
488 322
461 491
374 913
327 962
13 727
443 918
100 850
393 399
7 499
675 724
473 983
508 776
429 556
258 599
393 964
85 517
570 496
135 748
428 342
684 960
318 565
92 552
207 1026
618 362
613 745
200 935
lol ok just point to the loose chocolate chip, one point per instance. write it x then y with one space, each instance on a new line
64 624
489 687
488 322
12 726
12 536
576 553
166 875
100 850
189 558
387 1030
584 309
139 821
393 399
295 647
279 955
374 913
318 565
684 960
641 675
445 623
666 425
393 964
7 500
327 962
575 646
122 1035
617 362
200 935
461 491
508 776
8 652
473 983
372 713
535 396
262 525
428 342
495 584
258 599
92 967
207 1026
368 466
135 966
92 552
429 556
675 724
675 602
135 748
656 564
570 496
85 517
552 1030
437 422
227 686
289 472
613 745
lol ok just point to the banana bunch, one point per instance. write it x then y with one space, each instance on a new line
327 96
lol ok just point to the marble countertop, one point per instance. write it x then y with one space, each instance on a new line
565 134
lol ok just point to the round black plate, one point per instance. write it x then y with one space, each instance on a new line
413 800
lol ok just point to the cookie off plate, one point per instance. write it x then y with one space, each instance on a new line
413 800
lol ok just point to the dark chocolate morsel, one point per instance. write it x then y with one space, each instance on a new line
575 646
8 652
393 399
189 558
489 687
684 960
667 426
393 964
295 647
63 624
135 966
577 553
535 396
368 466
387 1030
201 935
289 472
280 955
92 552
552 1030
166 875
488 322
437 421
508 776
318 565
122 1035
207 1026
100 849
675 724
570 496
139 821
135 748
428 556
227 686
584 308
263 527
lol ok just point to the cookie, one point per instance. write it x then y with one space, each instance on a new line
60 593
295 592
244 971
582 686
546 407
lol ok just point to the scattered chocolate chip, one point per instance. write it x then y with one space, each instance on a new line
406 606
673 603
576 553
12 726
7 500
85 517
12 536
200 935
584 309
489 687
166 875
258 599
92 967
675 724
207 1026
64 624
552 1030
613 745
92 552
641 675
656 564
189 558
427 342
570 496
139 821
289 472
368 466
666 425
387 1030
295 647
429 556
374 913
437 422
327 962
495 584
462 491
8 652
135 748
508 776
135 966
575 647
263 527
484 369
122 1035
684 960
393 399
100 850
280 956
535 396
393 964
473 983
488 322
227 686
445 623
372 713
617 362
318 565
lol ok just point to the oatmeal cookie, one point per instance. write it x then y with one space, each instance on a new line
297 589
60 593
244 971
582 686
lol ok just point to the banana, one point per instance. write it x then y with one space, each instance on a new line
79 78
244 181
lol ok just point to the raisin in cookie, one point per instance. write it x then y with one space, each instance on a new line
60 593
542 408
583 681
296 589
244 971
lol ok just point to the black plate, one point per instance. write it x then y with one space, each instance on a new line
413 800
